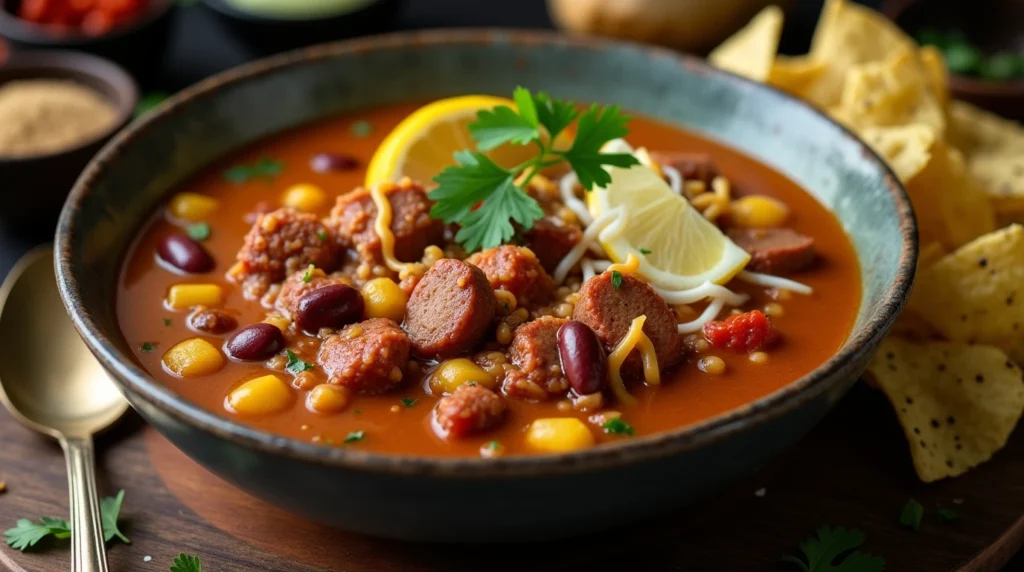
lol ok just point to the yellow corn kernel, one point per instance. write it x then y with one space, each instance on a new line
185 296
328 398
192 358
384 299
278 320
559 435
260 396
758 211
304 197
191 206
450 374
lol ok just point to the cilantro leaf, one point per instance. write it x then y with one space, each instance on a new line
199 231
493 445
295 364
912 514
265 167
502 125
110 509
309 273
361 128
147 347
167 321
617 427
526 106
186 563
555 115
821 553
616 279
464 185
408 401
147 102
596 127
491 223
27 533
645 251
354 437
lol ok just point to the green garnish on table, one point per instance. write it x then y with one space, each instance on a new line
186 563
822 553
27 533
965 58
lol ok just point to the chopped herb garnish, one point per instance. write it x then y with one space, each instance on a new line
947 514
199 231
645 251
309 273
493 445
354 436
408 401
471 383
186 563
616 279
27 533
167 321
265 168
295 364
617 427
361 128
912 514
822 553
357 411
322 235
148 346
485 199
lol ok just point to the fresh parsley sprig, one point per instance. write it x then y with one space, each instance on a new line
27 533
485 199
186 563
822 553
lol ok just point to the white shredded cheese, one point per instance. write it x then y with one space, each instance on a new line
567 189
705 290
710 313
675 179
774 282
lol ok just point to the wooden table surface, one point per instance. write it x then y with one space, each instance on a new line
853 470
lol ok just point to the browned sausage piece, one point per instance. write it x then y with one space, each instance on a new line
517 270
368 357
355 213
692 166
211 321
296 286
450 310
280 243
610 311
775 250
471 409
551 239
534 352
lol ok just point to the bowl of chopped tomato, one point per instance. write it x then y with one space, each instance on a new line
132 33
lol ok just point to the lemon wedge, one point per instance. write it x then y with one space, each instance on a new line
424 142
678 248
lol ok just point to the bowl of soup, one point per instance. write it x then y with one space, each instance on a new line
347 281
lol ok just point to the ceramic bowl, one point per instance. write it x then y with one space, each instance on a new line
473 499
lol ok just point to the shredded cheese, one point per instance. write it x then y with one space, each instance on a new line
631 266
382 226
675 179
705 290
567 190
635 338
710 313
774 282
607 228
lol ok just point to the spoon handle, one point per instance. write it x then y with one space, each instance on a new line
87 549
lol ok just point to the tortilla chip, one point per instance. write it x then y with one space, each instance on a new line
930 254
1002 175
935 70
907 149
976 131
847 35
951 206
794 73
957 404
976 294
751 51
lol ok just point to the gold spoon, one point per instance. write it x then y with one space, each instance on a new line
51 383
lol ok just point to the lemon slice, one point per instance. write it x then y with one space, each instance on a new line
683 249
424 142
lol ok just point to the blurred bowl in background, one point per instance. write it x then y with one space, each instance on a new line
137 45
689 25
271 26
33 188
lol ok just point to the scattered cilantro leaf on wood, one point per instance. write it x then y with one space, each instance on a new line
264 168
27 533
617 427
912 514
821 553
110 509
485 199
295 364
186 563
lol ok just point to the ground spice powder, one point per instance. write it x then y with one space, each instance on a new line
41 116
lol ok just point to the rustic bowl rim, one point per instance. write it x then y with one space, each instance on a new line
132 379
42 36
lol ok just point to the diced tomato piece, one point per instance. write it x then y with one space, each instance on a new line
97 23
743 332
33 10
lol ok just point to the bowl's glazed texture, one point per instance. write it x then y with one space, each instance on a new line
473 499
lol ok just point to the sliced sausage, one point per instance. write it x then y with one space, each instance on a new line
211 321
471 409
296 286
534 352
280 243
609 311
354 215
551 239
692 166
775 250
368 357
517 270
450 310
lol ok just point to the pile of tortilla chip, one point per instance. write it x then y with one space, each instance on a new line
950 366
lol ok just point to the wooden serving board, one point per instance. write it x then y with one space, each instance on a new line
853 470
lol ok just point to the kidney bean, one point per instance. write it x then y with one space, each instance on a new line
333 162
582 357
185 254
255 343
331 306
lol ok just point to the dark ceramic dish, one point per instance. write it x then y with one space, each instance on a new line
994 26
473 499
138 45
32 189
264 35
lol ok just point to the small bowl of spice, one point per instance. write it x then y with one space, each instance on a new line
56 110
